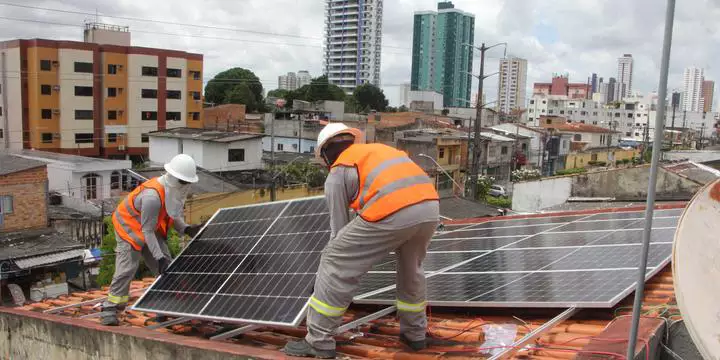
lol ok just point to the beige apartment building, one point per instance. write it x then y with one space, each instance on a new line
99 97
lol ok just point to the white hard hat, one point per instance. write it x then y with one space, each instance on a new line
334 129
182 167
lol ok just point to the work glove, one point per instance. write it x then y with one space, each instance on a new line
163 265
193 230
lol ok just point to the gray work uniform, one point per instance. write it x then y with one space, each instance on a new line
127 259
355 246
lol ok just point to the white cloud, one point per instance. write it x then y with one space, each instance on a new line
586 36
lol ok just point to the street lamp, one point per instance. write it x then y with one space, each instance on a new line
445 172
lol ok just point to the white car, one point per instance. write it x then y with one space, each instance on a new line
497 191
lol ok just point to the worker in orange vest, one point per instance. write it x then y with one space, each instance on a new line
141 224
397 210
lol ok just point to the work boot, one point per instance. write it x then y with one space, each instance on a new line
109 318
414 345
302 348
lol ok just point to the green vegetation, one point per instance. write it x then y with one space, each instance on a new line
236 86
365 98
501 201
303 172
318 89
525 174
484 183
570 171
107 264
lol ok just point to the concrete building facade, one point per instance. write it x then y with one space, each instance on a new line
624 78
693 78
561 85
95 99
512 83
353 39
23 191
708 93
288 81
442 53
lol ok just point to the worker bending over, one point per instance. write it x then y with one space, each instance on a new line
141 223
397 210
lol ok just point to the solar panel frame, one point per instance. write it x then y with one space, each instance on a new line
386 295
295 321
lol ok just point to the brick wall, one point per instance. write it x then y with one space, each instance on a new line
29 191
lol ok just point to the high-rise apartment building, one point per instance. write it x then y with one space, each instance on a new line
287 82
594 83
708 91
623 87
512 84
303 78
353 39
693 78
99 97
442 53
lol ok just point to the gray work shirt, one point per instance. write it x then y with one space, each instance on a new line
342 186
148 204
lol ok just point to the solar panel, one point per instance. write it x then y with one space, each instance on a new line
561 261
253 263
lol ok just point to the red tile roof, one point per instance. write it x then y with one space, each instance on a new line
575 127
584 333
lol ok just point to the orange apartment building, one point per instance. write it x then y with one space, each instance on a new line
99 97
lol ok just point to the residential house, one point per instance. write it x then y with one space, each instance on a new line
387 124
534 137
599 156
439 152
296 129
23 191
465 117
583 136
496 157
230 117
80 178
520 151
215 151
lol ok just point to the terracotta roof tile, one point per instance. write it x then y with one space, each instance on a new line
575 127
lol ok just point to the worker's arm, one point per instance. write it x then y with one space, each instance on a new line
341 187
180 225
149 205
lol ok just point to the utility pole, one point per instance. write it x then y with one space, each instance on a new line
475 165
684 124
279 103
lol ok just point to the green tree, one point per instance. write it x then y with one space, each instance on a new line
278 93
403 108
303 172
321 89
369 97
391 109
107 248
222 88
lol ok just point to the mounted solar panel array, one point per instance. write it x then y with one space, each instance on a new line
561 261
249 264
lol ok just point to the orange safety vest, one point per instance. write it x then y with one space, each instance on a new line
126 219
389 180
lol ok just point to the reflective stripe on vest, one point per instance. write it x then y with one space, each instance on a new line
126 219
389 180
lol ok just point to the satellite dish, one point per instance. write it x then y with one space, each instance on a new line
696 269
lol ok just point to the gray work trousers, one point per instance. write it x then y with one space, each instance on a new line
352 253
127 261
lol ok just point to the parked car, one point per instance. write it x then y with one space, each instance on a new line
497 191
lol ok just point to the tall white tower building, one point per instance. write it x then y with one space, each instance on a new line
692 89
623 87
353 38
512 84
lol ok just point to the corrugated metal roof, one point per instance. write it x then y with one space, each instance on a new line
35 261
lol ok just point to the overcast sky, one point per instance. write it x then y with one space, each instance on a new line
276 36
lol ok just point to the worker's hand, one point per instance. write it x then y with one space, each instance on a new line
163 264
193 230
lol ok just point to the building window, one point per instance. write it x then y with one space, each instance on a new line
173 115
112 115
45 65
441 153
112 69
195 115
565 144
46 114
46 138
548 121
144 138
149 71
112 92
562 112
45 89
83 67
83 114
280 147
90 186
6 204
112 138
174 94
84 138
617 114
148 94
583 113
630 116
174 73
2 135
577 137
149 115
531 111
195 95
594 122
236 155
594 113
504 150
195 75
83 91
630 134
115 180
532 102
550 111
